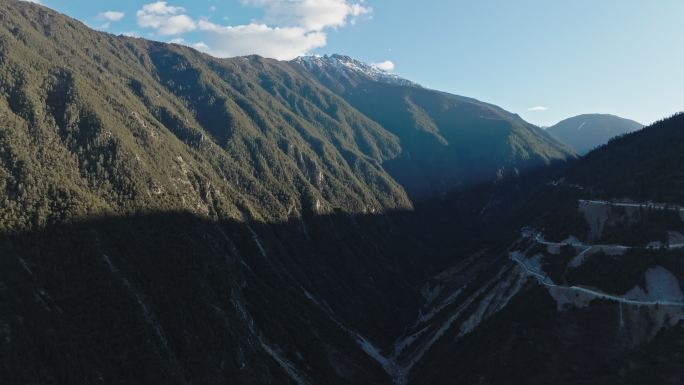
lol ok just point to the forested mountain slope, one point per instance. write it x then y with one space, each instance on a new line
645 165
167 217
100 123
446 140
127 124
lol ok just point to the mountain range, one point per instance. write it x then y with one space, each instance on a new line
447 140
173 218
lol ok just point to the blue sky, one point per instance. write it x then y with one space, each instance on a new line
545 60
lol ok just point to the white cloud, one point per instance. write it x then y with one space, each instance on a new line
289 28
313 15
260 39
161 8
111 16
165 19
32 1
385 66
201 46
538 109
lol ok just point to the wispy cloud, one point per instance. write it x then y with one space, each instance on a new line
288 28
260 39
312 15
111 16
538 109
108 17
165 19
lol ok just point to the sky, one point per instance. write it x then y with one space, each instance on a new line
544 60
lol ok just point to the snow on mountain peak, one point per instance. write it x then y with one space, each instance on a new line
344 64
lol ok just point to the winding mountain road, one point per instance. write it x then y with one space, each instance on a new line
655 206
546 281
539 238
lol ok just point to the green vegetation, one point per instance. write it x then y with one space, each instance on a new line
645 165
92 123
556 266
446 140
168 217
159 298
657 361
620 273
615 274
563 219
649 226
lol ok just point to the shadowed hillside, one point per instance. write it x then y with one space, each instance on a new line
645 165
171 218
176 298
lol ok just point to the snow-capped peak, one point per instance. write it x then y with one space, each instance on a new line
344 64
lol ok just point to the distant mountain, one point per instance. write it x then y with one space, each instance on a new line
586 132
446 140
